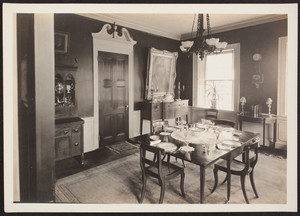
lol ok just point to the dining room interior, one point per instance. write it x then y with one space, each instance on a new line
203 95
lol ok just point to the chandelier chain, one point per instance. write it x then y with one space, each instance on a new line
200 25
208 24
193 26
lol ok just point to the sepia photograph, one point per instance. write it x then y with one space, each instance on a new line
150 108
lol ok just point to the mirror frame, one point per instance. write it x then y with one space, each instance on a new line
154 58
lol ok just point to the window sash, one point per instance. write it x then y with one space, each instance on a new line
199 78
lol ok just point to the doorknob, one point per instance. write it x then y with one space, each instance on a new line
126 107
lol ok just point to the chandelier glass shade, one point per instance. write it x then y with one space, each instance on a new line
202 45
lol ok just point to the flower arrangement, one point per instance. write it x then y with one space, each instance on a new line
211 93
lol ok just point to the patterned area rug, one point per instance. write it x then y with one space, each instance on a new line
120 147
120 182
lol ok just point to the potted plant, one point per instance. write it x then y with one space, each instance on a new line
211 93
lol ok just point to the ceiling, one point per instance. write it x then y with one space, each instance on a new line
179 26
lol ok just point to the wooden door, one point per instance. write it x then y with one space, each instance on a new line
113 97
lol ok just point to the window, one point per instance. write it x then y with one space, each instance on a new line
217 77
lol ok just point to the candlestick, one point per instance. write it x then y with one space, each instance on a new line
178 90
269 104
242 101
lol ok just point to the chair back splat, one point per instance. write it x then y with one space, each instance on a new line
158 168
224 122
211 114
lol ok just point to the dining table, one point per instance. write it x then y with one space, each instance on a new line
201 146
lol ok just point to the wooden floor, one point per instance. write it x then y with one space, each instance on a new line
95 158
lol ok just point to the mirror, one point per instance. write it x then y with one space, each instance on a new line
161 74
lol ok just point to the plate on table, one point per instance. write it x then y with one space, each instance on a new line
200 125
220 146
237 133
154 137
231 143
154 142
167 146
196 129
171 129
186 148
165 133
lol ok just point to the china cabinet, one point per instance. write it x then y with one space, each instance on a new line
65 92
68 127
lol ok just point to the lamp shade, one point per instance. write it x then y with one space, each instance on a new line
221 45
269 101
187 44
243 100
212 41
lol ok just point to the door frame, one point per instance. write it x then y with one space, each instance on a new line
104 41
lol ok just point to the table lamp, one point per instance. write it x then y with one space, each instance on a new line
242 101
269 104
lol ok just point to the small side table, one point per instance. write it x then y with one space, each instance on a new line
264 119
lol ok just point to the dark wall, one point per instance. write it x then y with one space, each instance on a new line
264 39
81 48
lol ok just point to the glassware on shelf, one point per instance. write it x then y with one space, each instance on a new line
64 90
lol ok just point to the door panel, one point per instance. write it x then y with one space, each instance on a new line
113 97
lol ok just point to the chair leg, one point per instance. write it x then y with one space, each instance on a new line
143 188
252 183
162 191
183 163
225 179
154 157
243 188
216 179
182 184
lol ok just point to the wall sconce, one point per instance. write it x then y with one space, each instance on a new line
257 78
242 101
269 104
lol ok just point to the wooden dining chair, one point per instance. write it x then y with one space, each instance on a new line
241 168
224 122
211 114
162 170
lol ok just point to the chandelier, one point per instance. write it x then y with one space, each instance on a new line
203 44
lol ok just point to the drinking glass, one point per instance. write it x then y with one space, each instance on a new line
186 134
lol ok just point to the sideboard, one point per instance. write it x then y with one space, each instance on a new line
163 110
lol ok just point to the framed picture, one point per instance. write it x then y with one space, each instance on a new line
161 73
61 42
